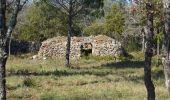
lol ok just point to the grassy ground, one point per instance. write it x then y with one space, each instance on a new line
93 79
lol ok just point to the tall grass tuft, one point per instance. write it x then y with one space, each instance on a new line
29 82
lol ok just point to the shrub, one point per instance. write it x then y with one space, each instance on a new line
28 82
48 97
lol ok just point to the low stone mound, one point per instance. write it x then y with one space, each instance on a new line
100 45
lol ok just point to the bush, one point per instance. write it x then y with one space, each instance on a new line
48 97
94 29
28 82
125 58
132 44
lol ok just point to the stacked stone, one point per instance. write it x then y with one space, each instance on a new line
105 46
55 47
101 46
75 47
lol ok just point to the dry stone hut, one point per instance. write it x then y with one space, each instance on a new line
100 45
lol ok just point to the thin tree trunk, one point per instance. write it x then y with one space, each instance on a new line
158 49
3 53
68 46
9 46
4 38
158 46
3 60
143 40
68 49
149 53
165 58
5 34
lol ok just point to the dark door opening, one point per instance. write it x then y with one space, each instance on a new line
86 49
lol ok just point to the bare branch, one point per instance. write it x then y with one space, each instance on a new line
22 5
9 3
57 3
13 20
76 12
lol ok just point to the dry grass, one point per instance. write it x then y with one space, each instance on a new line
87 80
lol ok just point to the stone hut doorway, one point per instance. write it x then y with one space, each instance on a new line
86 49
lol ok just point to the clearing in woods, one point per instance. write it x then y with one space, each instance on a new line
89 79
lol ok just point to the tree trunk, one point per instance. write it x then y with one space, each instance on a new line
143 40
3 59
3 53
9 46
158 46
158 49
69 35
68 49
165 58
149 53
5 34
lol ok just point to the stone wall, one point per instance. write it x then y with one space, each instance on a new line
103 46
19 46
98 45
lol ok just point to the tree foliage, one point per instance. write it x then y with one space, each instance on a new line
94 29
113 24
41 22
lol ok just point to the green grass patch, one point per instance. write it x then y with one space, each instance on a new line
88 79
